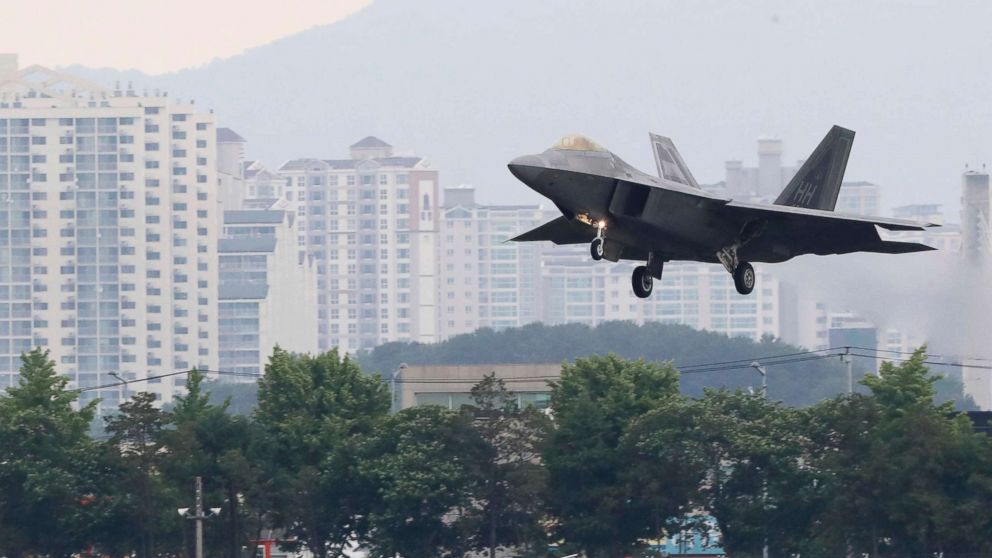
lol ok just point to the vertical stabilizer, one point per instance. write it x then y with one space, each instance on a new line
669 162
818 181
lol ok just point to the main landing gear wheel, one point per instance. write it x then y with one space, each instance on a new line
744 278
597 249
642 281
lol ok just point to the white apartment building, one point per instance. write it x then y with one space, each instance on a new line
485 281
267 292
108 232
370 224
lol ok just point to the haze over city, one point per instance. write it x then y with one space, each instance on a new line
713 75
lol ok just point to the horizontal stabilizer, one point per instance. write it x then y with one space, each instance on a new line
559 231
892 247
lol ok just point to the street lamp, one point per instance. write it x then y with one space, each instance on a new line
393 404
123 381
764 377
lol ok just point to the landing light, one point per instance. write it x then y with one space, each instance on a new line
600 224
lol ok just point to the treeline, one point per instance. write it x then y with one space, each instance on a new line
623 459
803 382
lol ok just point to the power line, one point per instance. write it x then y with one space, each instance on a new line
752 359
699 368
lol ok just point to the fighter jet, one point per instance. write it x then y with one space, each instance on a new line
624 213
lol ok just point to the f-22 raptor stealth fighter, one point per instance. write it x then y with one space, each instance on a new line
624 213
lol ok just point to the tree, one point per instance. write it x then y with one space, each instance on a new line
142 501
901 475
422 462
755 482
315 412
667 464
48 496
509 503
209 442
594 402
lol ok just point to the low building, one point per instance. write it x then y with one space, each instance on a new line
450 385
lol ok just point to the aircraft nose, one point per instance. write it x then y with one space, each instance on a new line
527 167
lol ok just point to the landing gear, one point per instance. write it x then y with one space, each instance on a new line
644 275
597 248
742 272
642 281
744 278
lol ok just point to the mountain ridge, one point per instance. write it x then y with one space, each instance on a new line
469 86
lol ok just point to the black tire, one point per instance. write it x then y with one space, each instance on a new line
597 249
744 278
642 282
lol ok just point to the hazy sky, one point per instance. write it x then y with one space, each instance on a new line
154 36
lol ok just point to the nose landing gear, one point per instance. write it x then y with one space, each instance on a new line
598 247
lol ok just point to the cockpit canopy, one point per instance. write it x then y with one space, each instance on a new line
577 142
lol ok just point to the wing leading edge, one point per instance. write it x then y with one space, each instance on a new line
559 231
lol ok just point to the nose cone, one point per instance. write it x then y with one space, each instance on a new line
527 167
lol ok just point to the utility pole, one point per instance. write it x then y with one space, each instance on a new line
764 482
198 515
846 358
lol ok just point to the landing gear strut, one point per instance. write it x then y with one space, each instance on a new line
642 280
598 247
742 272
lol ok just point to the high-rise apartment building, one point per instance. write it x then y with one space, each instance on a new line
108 232
483 280
267 291
370 224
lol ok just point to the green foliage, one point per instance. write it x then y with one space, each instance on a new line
48 488
756 480
594 401
899 474
508 505
423 462
139 495
623 459
314 413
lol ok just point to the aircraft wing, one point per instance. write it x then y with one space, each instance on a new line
790 231
559 231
